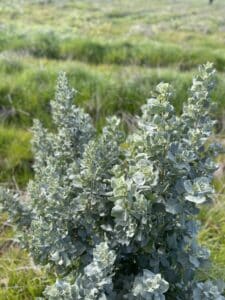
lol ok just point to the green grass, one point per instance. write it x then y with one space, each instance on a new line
152 53
20 279
103 90
156 33
212 237
15 155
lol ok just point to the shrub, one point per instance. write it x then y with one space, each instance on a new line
115 216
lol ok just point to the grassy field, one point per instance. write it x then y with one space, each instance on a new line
114 52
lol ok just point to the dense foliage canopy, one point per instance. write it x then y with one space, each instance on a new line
115 215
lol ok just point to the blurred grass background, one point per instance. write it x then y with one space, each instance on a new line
114 52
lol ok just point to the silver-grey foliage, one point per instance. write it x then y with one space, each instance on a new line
113 215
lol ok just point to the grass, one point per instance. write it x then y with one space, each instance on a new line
152 53
15 153
20 279
160 33
112 88
213 231
212 218
212 237
102 90
114 52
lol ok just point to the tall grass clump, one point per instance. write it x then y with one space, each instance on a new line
16 156
115 215
19 277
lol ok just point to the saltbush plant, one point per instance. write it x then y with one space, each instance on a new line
114 215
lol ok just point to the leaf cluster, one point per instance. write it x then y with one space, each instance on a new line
114 215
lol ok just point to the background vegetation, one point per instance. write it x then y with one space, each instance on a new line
114 52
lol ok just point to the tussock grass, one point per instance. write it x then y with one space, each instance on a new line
97 51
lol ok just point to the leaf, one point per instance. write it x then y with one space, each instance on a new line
195 199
